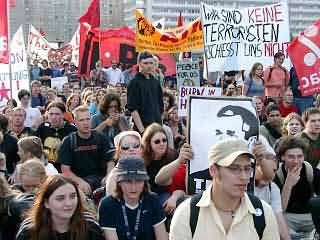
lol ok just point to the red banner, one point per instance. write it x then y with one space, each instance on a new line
304 52
4 43
115 44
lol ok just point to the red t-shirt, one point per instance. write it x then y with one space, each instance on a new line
178 180
284 111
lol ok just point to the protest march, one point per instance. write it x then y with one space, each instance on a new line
209 129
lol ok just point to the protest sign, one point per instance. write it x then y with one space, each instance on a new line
58 82
188 74
39 48
235 39
154 40
213 119
19 69
304 52
185 91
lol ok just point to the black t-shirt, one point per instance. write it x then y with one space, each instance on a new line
153 170
10 148
111 217
46 72
85 156
145 96
94 231
52 137
26 132
301 192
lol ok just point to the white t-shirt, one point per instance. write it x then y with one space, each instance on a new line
32 115
51 170
273 198
113 76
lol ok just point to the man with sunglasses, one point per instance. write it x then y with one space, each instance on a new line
83 155
225 210
145 94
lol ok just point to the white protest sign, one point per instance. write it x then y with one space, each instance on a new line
19 69
213 119
235 39
38 46
188 74
58 82
185 91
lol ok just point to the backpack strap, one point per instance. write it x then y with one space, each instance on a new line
309 174
194 212
73 141
258 218
280 175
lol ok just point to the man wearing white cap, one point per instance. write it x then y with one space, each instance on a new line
225 210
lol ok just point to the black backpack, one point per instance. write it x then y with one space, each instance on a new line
259 221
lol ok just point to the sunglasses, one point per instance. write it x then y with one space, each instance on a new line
126 147
164 140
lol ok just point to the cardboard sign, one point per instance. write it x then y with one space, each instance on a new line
213 119
235 39
186 91
188 74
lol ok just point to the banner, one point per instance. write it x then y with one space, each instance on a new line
214 119
304 52
188 74
185 91
39 48
4 45
19 68
152 39
235 39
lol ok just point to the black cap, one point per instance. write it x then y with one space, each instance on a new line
131 168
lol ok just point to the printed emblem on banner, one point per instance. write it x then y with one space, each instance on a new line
144 27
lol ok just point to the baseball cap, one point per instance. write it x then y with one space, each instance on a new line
131 168
224 152
117 139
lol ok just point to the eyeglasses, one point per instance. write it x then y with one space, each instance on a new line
236 170
126 147
158 141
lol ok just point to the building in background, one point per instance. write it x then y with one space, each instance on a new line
58 19
301 12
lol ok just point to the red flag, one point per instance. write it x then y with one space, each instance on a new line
180 20
4 44
304 52
92 15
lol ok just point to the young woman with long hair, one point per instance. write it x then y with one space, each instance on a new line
58 213
253 83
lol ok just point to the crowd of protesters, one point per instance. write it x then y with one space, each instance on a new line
106 157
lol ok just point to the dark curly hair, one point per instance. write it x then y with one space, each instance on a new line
105 103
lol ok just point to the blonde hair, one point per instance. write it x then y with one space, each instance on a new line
77 110
34 168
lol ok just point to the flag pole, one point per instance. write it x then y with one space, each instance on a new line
9 48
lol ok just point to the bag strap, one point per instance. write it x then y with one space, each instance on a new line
258 218
194 212
309 174
73 141
280 175
250 84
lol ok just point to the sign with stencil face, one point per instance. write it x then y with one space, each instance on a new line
304 52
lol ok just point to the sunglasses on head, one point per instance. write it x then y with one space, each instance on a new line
126 147
164 140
